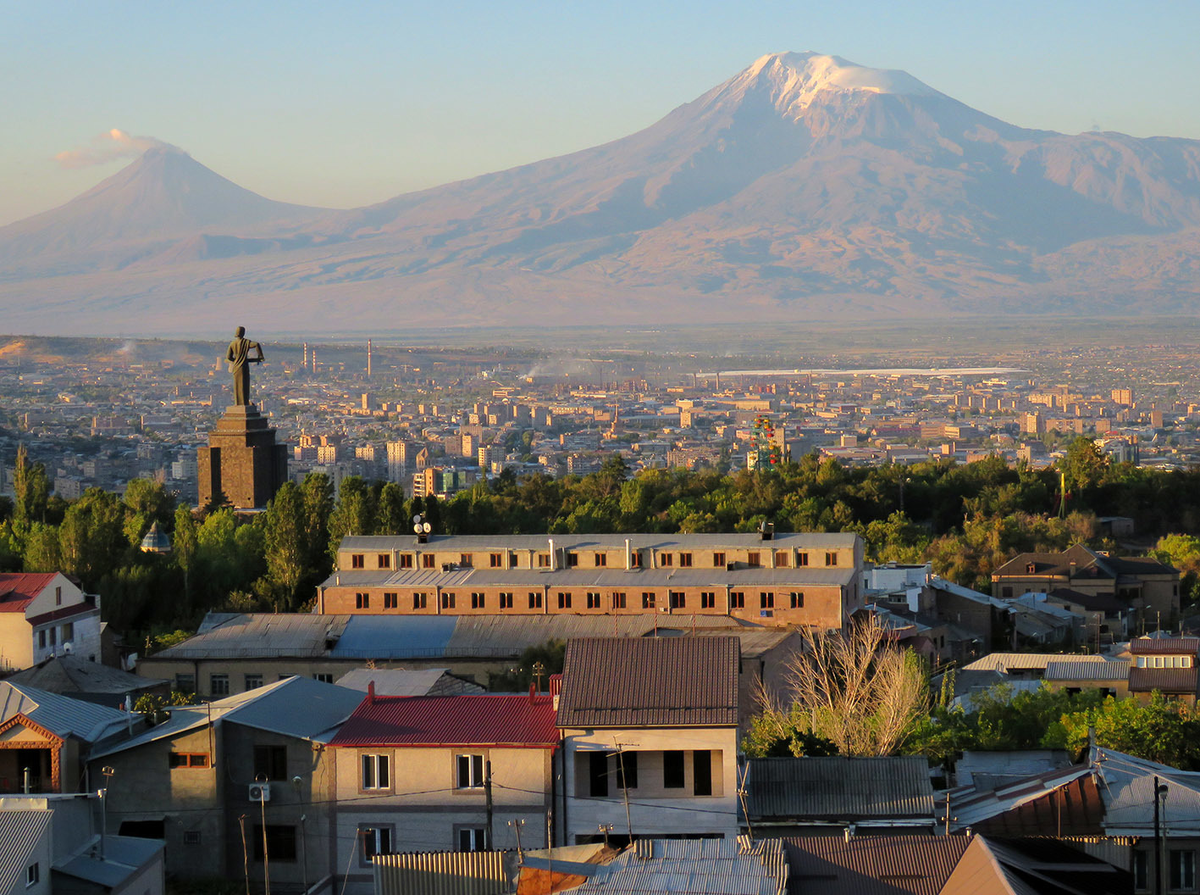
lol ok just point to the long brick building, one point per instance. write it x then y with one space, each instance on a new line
811 579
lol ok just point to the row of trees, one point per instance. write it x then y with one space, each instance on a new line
966 519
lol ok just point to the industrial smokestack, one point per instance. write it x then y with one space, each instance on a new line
368 358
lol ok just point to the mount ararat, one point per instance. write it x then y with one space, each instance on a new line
804 188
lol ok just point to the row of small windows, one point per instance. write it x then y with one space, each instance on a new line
782 559
676 600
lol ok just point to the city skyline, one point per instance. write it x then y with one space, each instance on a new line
342 109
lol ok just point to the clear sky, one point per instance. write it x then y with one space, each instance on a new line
344 104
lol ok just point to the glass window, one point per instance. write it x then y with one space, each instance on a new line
33 874
357 561
1183 869
673 777
375 772
469 771
218 684
253 681
280 842
375 841
270 763
471 839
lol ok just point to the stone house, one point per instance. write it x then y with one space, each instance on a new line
442 773
43 615
241 782
650 737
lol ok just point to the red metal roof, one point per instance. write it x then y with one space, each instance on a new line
462 720
17 589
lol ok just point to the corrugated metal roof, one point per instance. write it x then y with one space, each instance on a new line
464 720
260 634
124 857
396 681
476 543
74 674
1166 680
18 589
394 637
650 682
838 788
61 715
694 867
474 632
443 873
20 832
605 578
295 706
871 865
1157 646
1005 662
1071 669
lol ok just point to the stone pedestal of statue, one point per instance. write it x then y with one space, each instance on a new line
242 465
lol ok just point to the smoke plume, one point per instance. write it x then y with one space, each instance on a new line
107 147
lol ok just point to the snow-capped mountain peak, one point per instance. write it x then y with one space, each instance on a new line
796 79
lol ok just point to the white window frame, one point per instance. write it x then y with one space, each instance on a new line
477 838
380 836
375 772
475 770
33 874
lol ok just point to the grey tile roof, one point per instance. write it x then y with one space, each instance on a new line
20 832
693 867
296 706
69 675
61 715
606 578
838 788
124 857
474 543
650 682
225 635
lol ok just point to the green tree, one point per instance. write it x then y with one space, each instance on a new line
287 550
393 511
31 492
354 513
92 537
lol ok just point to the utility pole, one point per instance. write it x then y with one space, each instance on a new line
487 794
108 773
1160 792
516 826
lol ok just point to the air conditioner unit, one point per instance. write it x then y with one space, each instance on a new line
260 792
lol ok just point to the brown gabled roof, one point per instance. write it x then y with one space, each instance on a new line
1165 680
1073 809
871 865
650 682
1088 564
1164 646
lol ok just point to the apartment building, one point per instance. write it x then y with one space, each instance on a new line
811 579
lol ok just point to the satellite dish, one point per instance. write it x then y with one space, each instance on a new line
417 518
417 529
428 528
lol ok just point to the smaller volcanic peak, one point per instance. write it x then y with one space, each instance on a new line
163 194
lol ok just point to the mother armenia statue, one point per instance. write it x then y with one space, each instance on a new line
239 360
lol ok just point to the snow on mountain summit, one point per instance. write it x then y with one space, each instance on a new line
796 79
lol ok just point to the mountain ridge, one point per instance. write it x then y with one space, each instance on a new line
803 185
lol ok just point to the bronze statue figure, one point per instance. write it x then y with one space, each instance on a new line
239 360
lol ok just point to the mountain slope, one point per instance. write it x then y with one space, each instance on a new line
803 185
163 195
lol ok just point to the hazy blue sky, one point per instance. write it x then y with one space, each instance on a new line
344 104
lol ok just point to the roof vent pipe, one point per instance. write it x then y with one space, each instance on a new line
553 557
628 555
